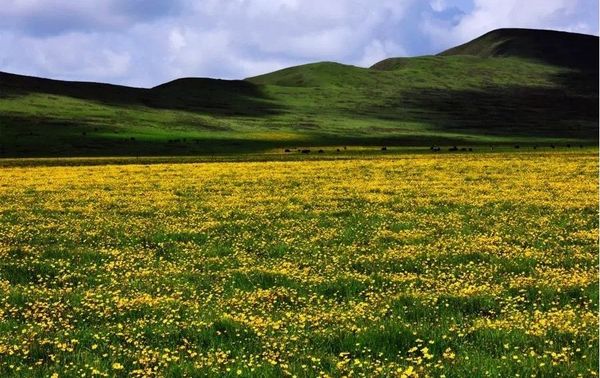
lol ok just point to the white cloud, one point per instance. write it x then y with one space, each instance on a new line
492 14
67 56
378 50
146 42
438 5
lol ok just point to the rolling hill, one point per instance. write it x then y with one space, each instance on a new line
508 86
557 48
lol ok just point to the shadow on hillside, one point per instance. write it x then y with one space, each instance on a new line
582 83
216 97
206 96
56 138
24 136
569 110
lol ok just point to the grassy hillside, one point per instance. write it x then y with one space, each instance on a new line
546 46
471 95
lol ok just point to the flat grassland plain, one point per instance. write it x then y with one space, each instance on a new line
392 265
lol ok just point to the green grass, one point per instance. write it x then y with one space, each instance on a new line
435 100
547 46
301 265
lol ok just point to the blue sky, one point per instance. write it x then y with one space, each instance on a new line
147 42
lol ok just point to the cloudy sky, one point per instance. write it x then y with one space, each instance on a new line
147 42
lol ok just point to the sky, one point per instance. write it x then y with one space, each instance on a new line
148 42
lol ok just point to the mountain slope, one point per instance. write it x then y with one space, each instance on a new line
468 95
198 94
546 46
20 84
312 75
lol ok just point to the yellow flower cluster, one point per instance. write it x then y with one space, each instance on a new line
404 265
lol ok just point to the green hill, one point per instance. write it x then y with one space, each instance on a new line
508 86
546 46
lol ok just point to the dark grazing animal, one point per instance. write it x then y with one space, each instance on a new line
306 151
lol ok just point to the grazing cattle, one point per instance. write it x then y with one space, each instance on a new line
517 146
306 151
383 148
470 149
321 151
454 148
286 150
338 150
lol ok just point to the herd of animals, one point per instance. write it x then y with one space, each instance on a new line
432 148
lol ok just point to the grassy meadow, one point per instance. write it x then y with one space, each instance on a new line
395 265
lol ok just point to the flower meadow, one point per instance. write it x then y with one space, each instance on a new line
410 265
